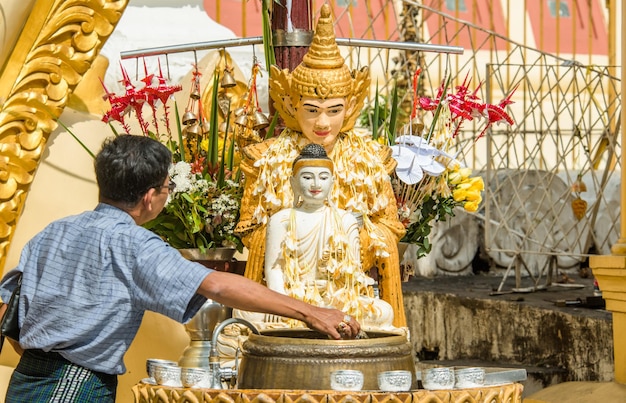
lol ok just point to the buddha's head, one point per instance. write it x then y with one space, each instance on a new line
321 97
312 175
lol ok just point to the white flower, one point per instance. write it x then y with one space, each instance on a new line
415 156
180 174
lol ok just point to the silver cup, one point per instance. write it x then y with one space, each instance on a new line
151 362
438 378
192 377
395 381
473 377
167 375
346 379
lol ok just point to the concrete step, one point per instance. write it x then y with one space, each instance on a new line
461 322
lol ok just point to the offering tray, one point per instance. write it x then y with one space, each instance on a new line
144 393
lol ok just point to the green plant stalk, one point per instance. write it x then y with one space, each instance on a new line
393 116
113 129
77 139
268 47
221 175
181 146
213 126
376 114
221 172
270 130
438 110
231 150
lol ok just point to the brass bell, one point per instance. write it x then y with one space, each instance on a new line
260 121
193 129
239 111
195 94
242 120
189 118
223 126
204 126
228 80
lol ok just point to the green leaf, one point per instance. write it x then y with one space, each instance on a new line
438 110
376 114
268 46
272 127
181 147
213 131
113 129
231 150
393 115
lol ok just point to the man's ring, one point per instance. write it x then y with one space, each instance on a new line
347 319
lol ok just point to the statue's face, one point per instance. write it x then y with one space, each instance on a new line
321 120
313 184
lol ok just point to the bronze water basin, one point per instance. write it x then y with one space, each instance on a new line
301 359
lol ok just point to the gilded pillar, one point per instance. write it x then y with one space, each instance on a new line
610 271
58 42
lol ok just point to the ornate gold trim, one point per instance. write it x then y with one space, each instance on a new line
57 46
143 393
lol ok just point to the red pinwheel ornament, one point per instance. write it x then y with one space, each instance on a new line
475 108
145 94
465 105
428 104
134 100
119 108
497 114
466 102
161 92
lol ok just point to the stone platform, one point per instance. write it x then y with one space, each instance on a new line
580 392
462 321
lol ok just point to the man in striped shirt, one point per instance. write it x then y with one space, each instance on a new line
88 279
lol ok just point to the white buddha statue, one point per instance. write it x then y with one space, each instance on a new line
312 251
319 102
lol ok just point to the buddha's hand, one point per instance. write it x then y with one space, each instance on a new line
336 324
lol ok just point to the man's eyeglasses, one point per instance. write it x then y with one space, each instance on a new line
170 187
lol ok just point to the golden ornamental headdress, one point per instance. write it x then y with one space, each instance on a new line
322 74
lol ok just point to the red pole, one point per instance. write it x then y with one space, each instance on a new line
292 31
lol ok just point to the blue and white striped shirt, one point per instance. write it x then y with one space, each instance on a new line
89 278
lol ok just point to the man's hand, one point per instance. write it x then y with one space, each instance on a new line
334 323
239 292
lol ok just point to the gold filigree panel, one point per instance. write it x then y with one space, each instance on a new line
59 42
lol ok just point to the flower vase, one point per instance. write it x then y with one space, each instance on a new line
200 328
221 259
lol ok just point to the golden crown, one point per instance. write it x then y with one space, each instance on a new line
322 74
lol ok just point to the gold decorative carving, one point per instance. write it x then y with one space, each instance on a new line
511 393
57 46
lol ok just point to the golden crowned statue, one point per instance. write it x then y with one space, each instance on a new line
319 102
